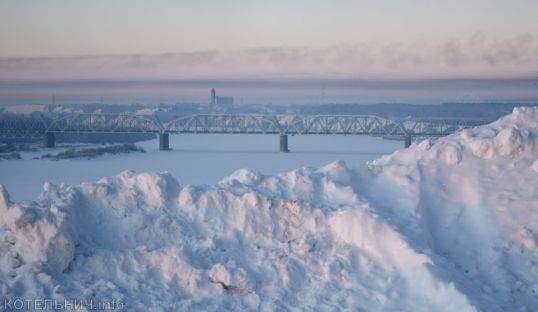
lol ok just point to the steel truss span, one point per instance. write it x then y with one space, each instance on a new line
12 125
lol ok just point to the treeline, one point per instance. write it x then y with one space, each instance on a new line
94 152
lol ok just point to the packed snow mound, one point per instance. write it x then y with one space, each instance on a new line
471 199
442 226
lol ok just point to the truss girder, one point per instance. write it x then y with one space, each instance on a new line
12 125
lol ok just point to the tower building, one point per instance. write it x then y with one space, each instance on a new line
213 96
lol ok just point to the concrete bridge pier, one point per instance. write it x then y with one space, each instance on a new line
48 139
407 141
164 142
284 143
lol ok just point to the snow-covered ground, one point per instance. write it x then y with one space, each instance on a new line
195 159
450 226
27 109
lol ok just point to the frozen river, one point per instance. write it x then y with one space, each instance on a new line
195 159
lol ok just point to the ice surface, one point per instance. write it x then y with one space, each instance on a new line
444 226
195 159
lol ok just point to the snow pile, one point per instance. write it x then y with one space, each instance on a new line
147 111
471 202
449 226
26 109
67 110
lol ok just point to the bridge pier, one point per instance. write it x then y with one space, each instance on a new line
407 141
164 142
48 139
284 143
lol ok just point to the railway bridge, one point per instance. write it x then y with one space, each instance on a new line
47 125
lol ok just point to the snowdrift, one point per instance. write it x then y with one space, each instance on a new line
444 226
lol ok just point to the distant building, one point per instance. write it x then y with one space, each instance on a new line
213 96
221 100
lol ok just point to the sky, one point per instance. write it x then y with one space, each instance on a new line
217 41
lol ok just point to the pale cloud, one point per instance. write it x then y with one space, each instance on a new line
479 55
